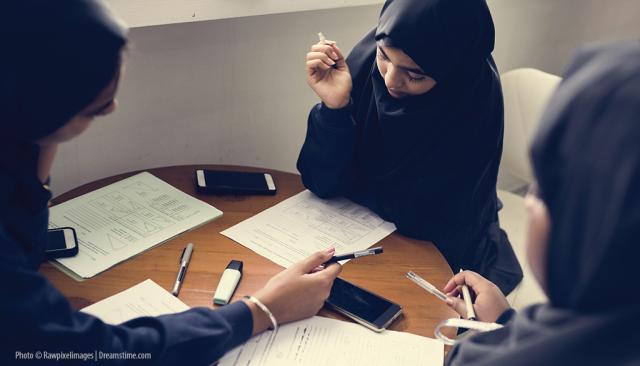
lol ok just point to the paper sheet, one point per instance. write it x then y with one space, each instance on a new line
323 341
296 227
124 219
144 299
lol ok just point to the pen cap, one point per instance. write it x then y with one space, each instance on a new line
228 283
237 265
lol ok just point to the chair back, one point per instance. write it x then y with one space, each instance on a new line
526 93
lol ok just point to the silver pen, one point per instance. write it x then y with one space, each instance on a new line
184 263
426 285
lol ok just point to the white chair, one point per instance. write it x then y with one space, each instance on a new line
526 93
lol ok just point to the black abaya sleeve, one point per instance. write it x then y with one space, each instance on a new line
327 155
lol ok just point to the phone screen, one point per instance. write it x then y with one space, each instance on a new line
56 240
361 303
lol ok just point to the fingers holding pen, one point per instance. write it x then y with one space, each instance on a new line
329 50
322 56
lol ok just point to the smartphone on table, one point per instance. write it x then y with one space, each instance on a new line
372 311
62 243
231 182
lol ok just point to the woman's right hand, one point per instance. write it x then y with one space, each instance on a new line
328 74
489 301
296 293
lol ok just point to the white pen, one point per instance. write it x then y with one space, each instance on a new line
426 285
323 39
466 295
184 263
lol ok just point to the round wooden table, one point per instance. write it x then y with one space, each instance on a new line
383 274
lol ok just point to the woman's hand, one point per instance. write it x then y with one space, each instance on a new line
296 293
489 301
328 74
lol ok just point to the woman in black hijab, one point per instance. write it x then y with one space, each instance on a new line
584 227
59 69
411 126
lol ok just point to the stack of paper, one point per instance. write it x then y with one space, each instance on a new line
303 224
323 341
124 219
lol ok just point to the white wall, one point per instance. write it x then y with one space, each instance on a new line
233 91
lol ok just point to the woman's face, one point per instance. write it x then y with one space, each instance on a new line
539 225
402 76
104 104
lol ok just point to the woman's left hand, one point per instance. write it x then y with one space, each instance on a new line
489 302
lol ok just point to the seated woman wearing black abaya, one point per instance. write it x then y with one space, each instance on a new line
584 227
411 126
60 69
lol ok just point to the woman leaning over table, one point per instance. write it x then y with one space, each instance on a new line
584 228
60 68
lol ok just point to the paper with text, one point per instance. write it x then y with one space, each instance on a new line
144 299
323 341
296 227
121 220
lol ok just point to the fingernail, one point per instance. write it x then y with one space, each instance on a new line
449 302
335 55
332 62
330 250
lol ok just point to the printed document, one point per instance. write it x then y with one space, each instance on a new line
124 219
144 299
296 227
323 341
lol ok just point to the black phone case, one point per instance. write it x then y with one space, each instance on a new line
67 252
226 189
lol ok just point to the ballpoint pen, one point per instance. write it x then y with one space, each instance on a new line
466 296
360 253
184 263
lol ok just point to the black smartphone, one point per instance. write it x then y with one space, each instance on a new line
372 311
230 182
62 243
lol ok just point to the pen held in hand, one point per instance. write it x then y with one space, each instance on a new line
466 296
361 253
324 39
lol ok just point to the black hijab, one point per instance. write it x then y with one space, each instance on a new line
443 146
586 157
57 57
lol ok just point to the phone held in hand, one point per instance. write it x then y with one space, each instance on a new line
372 311
232 182
61 243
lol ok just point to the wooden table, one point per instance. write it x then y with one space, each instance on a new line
382 274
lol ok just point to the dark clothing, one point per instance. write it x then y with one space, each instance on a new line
586 158
427 163
76 45
37 317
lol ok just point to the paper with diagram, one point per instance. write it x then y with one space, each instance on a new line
124 219
296 227
323 341
144 299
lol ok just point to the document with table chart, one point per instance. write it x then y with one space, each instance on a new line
323 341
296 227
124 219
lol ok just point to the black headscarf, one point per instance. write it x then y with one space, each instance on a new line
586 157
57 56
438 152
